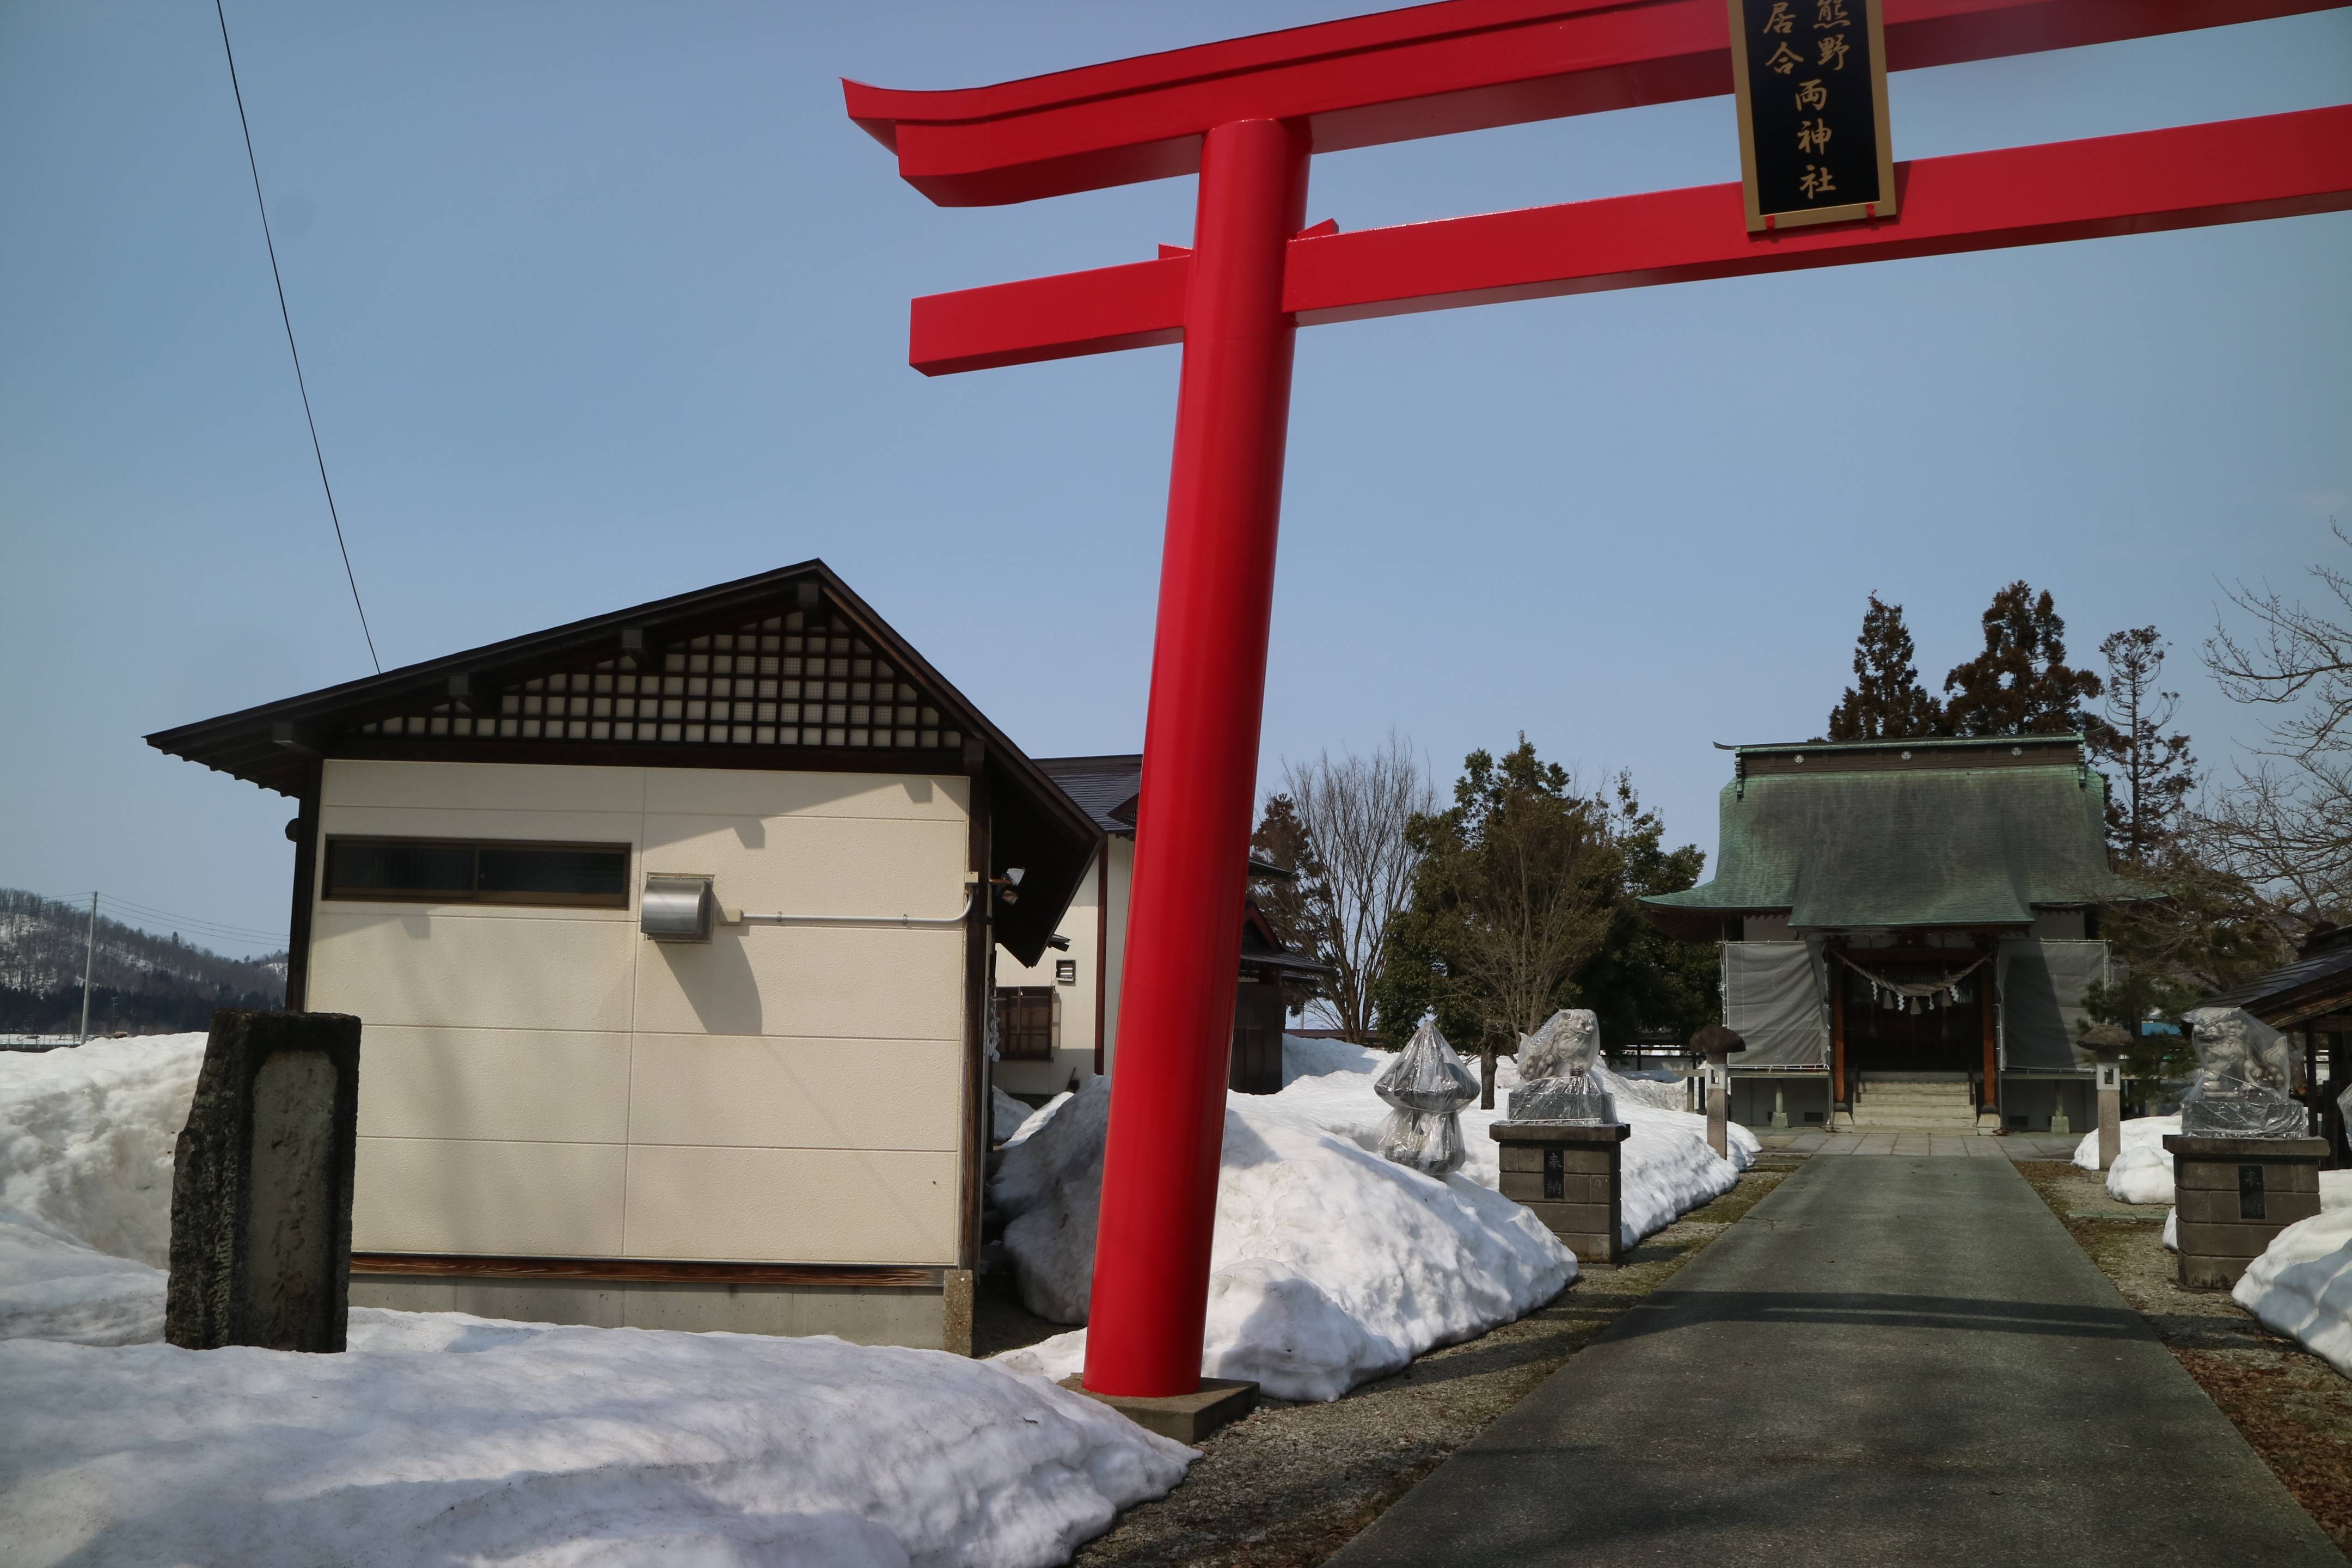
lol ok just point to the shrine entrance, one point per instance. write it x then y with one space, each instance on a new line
1891 1032
1248 116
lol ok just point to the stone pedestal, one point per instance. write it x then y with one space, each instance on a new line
2234 1195
1186 1417
261 1185
1571 1177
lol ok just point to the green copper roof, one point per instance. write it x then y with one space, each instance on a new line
1907 834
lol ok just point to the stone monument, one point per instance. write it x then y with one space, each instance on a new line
261 1185
1562 1151
2242 1169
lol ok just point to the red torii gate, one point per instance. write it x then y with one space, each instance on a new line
1246 114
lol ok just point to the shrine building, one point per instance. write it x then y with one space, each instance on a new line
1907 930
672 933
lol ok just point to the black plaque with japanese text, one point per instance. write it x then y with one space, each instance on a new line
1812 81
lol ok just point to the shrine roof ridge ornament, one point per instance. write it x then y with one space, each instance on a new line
1426 70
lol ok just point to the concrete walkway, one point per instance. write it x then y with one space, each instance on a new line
1887 1361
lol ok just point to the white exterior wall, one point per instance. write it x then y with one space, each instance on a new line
546 1082
1082 924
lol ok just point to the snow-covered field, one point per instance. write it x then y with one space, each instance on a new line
1330 1265
442 1437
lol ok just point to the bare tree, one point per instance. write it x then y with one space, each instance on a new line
2284 822
1355 809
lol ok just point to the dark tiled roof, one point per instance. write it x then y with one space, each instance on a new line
2314 984
1104 787
1909 834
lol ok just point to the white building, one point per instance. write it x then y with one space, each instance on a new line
1058 1017
778 1125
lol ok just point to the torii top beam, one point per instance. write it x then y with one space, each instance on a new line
1428 70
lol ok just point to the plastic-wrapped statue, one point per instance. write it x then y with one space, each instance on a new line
2241 1087
1427 1085
1559 1072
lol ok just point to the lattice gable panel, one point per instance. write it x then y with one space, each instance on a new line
800 678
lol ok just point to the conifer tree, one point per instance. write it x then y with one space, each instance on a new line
1886 701
2152 772
2020 684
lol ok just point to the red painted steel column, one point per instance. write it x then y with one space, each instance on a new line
1200 771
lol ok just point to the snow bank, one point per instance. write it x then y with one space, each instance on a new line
86 1136
1330 1265
1005 1114
2302 1286
2143 1170
54 1287
441 1437
1669 1168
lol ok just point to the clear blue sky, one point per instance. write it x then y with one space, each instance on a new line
603 303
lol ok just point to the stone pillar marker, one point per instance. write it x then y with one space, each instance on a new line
1715 1043
2109 1041
261 1185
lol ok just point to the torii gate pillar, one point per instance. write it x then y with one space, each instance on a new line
1200 768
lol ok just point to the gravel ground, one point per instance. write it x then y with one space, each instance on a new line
2292 1407
1293 1483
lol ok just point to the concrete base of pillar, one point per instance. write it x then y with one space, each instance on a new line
1186 1417
2234 1195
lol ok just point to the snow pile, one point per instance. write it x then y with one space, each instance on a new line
86 1136
1038 1118
1330 1265
1669 1169
442 1437
2302 1286
54 1287
2143 1170
1005 1115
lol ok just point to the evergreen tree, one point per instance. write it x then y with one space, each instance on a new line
1642 978
1516 888
1886 701
2152 772
1296 908
2020 684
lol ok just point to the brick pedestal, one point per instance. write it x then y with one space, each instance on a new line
1570 1177
2234 1195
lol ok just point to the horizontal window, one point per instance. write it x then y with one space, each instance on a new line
488 872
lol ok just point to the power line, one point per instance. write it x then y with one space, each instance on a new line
127 913
287 317
130 914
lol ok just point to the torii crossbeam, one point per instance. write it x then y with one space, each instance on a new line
1246 115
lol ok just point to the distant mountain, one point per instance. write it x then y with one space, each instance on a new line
141 983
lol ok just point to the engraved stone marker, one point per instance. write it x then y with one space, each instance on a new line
261 1185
